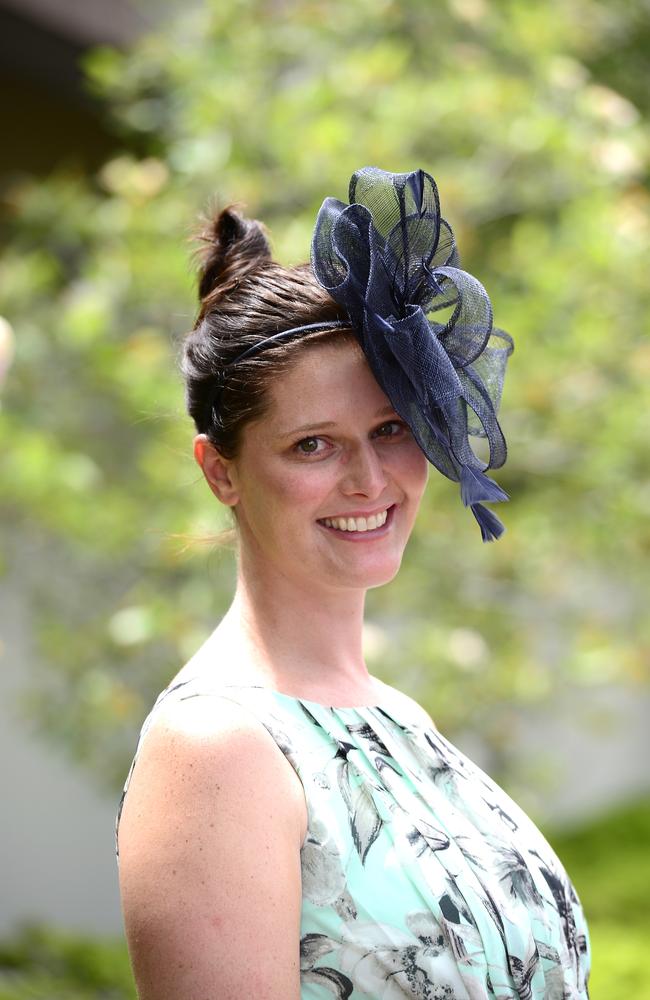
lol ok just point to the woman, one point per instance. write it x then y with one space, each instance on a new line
295 827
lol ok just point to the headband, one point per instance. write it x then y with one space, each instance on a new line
390 260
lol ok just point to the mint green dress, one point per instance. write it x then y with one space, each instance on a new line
421 878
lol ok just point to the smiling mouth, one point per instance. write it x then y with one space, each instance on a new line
358 525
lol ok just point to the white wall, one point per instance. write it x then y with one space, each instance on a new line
56 832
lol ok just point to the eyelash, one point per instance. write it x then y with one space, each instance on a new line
313 437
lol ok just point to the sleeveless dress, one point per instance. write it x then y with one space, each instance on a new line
421 877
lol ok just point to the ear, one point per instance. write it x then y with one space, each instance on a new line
218 471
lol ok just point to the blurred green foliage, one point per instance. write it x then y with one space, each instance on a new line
609 864
39 962
538 139
607 860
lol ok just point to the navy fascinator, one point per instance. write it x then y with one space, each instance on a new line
390 260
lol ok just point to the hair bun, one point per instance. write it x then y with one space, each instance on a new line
233 247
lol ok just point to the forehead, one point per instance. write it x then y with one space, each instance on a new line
328 382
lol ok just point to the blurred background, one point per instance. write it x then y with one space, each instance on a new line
120 123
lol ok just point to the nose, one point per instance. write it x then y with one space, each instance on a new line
365 474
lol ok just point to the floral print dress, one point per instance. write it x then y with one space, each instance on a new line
421 878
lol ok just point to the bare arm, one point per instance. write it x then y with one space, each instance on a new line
210 837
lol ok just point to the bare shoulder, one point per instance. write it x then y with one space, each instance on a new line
411 708
209 862
192 742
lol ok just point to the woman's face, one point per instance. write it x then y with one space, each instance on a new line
329 481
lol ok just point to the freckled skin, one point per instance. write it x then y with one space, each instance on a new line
360 464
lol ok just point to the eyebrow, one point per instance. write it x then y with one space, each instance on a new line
384 412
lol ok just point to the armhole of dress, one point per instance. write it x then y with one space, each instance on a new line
144 729
146 725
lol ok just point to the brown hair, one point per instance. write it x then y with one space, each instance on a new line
245 296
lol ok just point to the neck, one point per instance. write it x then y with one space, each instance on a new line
301 640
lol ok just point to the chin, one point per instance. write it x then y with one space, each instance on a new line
368 577
381 581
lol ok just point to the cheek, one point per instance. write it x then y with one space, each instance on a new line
421 470
304 486
293 488
412 470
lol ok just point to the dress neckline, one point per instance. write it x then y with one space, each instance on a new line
399 717
315 704
308 701
396 715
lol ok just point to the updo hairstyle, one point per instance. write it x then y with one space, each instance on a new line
244 297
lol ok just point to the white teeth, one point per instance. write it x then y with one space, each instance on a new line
357 523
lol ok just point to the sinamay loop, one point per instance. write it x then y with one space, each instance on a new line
391 261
